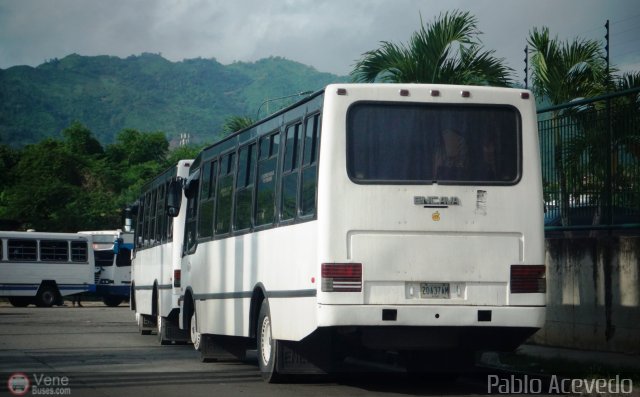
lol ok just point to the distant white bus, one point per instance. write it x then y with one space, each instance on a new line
370 217
40 268
155 267
112 255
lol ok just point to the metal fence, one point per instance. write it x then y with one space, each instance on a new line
591 163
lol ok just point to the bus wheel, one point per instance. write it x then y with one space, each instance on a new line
19 301
194 334
112 301
267 346
47 296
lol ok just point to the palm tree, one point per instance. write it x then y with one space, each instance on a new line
562 72
566 71
236 123
446 51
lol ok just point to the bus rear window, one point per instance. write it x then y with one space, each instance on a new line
433 143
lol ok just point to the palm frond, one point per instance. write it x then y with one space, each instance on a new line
434 54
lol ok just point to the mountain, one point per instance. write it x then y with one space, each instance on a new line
146 92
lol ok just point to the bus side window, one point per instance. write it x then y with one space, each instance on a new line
166 219
266 188
152 217
139 230
54 251
79 251
207 199
145 219
290 172
224 200
309 178
160 213
192 214
244 187
22 250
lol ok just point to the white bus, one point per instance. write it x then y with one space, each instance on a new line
375 217
155 282
112 256
41 268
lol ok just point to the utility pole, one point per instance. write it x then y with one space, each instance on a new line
608 199
526 66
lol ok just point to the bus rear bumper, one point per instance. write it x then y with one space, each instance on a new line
432 315
434 327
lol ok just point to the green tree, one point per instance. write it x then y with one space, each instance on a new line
236 123
182 153
79 139
135 158
46 180
8 159
135 147
446 51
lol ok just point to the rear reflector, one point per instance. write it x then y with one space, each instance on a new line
528 279
176 278
342 277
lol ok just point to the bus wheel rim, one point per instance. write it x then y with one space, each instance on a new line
265 345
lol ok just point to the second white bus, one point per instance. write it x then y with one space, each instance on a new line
370 217
155 267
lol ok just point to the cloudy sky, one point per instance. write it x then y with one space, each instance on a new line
329 35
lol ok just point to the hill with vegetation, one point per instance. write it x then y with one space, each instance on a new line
147 93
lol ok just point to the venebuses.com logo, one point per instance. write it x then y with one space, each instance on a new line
19 384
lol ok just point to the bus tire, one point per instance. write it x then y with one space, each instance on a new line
112 301
20 301
193 331
47 296
267 346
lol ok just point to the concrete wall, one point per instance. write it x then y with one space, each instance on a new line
593 294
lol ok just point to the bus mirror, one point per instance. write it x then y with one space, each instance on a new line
174 198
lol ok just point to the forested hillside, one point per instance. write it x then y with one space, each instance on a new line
146 93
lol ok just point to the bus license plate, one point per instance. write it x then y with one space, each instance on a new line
434 290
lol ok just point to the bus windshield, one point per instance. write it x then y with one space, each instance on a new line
104 258
433 143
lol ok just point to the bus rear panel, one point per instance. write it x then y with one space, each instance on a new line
430 217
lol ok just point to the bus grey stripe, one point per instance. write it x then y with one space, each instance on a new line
149 287
248 294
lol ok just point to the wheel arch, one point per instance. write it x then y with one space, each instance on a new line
188 307
132 294
155 310
257 297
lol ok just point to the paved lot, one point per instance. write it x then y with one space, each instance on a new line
99 352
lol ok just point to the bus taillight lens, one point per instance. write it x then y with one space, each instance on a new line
341 277
176 278
528 279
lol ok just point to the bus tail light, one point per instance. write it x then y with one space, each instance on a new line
176 278
341 277
528 279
